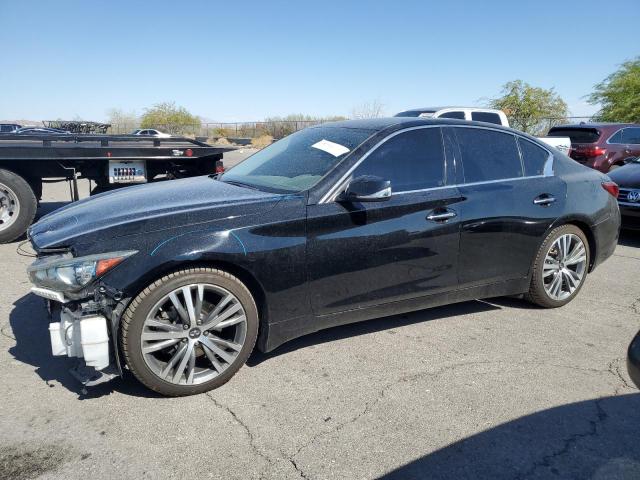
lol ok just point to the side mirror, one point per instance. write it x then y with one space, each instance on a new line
367 188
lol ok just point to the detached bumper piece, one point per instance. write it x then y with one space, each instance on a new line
83 337
633 360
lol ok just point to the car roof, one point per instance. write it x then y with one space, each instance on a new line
385 123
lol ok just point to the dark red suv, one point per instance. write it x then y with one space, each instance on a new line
602 146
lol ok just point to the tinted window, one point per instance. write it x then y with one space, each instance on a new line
576 134
631 135
458 115
298 161
533 157
488 155
412 160
617 138
486 117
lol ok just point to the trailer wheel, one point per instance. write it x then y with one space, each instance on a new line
18 206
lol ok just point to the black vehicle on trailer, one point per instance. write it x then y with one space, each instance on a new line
111 161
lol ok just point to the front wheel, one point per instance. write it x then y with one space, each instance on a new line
190 331
560 267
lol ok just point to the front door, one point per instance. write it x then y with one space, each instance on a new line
370 253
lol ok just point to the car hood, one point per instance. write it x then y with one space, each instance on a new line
627 176
148 208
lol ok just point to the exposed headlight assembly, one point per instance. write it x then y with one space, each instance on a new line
63 273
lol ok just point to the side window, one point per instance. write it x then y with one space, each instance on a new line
459 115
488 155
617 138
412 160
533 157
631 135
487 117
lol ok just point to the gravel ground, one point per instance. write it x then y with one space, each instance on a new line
484 389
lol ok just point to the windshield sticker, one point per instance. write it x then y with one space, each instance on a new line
332 148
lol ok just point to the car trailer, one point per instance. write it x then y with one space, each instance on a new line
110 161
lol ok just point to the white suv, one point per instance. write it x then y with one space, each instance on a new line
486 115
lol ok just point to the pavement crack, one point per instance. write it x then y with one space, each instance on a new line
568 443
5 334
245 427
614 369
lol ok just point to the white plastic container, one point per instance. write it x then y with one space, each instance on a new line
94 339
58 346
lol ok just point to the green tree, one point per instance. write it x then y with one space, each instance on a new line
619 94
170 118
530 109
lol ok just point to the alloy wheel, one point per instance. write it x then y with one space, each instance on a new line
564 266
193 334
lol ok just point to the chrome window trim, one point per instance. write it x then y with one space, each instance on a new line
334 191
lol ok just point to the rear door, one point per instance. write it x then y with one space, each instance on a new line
631 140
370 253
510 201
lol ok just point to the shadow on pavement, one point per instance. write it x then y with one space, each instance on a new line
370 326
595 439
29 323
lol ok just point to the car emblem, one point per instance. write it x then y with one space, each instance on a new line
633 196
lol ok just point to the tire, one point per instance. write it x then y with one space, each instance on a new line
198 374
544 271
18 206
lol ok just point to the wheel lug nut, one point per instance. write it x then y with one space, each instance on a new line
186 327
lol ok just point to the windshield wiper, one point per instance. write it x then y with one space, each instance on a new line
240 184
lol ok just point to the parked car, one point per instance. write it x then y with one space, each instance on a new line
150 132
9 127
487 115
633 360
334 224
40 131
628 178
603 146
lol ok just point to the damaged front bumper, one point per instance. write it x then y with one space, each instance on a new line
84 332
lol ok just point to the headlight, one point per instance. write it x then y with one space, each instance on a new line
68 274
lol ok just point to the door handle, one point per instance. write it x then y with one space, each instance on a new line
544 200
441 217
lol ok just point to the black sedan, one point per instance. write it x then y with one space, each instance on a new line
179 281
628 178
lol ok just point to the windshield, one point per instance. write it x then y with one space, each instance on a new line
297 162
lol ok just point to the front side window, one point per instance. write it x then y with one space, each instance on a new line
412 160
488 155
534 157
631 135
298 161
458 114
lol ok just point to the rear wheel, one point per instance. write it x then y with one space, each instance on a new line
190 331
18 206
560 267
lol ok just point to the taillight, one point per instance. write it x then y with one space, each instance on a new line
219 166
188 152
590 151
612 188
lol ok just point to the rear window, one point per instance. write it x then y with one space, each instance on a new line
577 135
488 155
487 117
533 157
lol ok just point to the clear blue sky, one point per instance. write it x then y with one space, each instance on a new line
246 60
